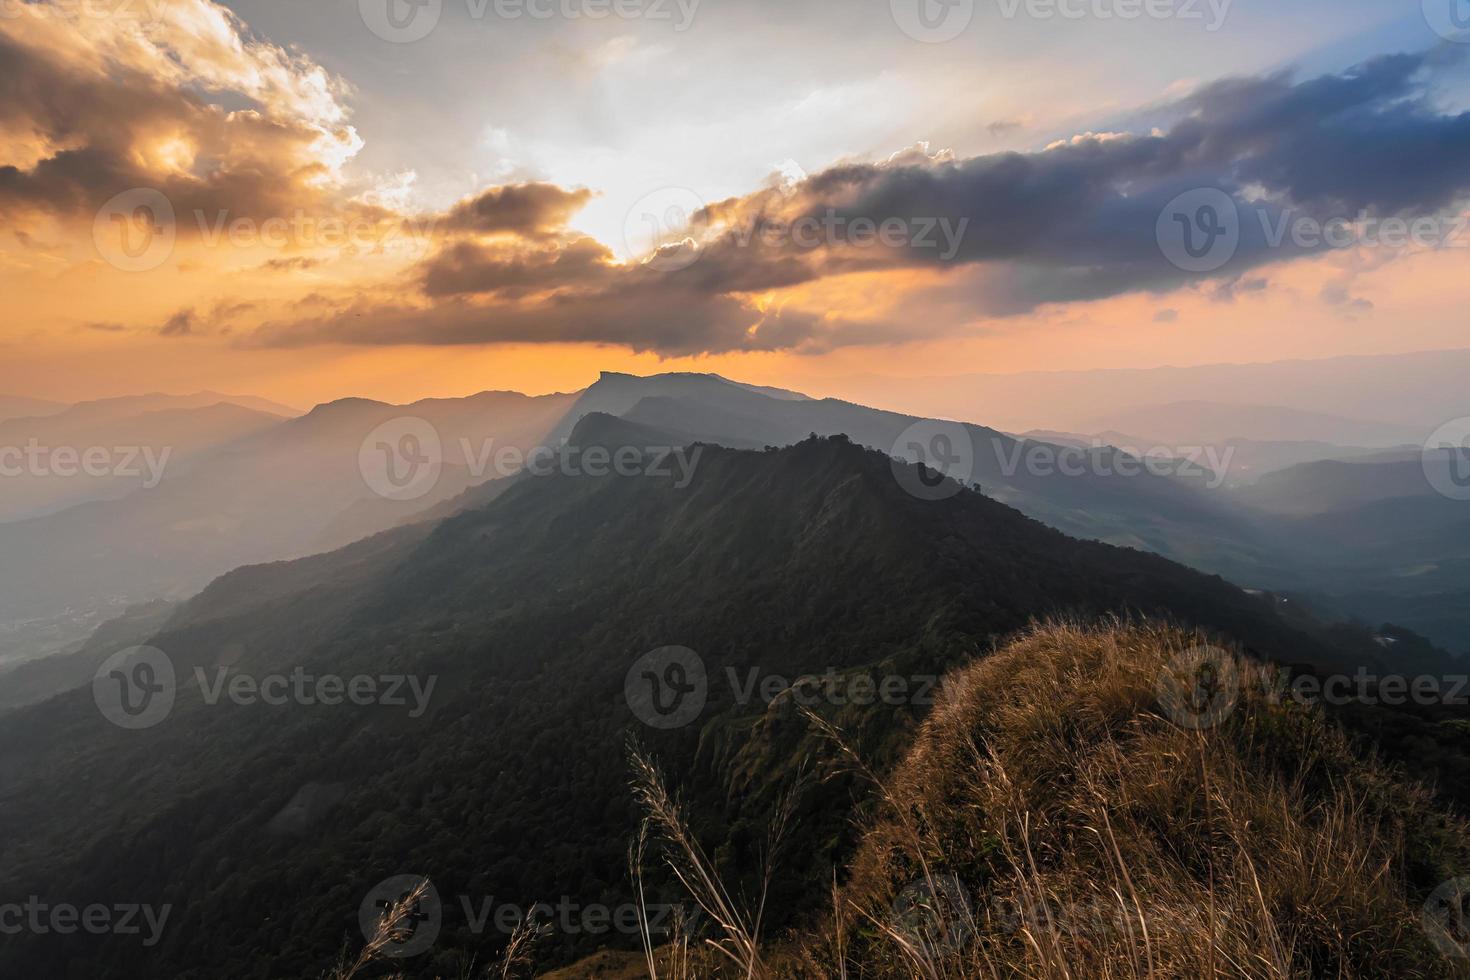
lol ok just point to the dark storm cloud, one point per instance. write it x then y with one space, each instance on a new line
653 316
532 210
1075 221
468 267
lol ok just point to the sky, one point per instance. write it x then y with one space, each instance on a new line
409 198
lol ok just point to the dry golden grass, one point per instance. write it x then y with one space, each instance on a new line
1051 821
606 965
1054 819
515 960
736 950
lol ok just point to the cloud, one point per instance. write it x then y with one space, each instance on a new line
295 263
1339 295
189 323
469 267
531 209
180 99
1231 289
654 318
1076 221
181 324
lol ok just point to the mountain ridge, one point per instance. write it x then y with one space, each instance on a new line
530 610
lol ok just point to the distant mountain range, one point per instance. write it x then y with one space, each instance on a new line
1192 422
11 408
139 440
1235 462
297 487
1419 390
291 488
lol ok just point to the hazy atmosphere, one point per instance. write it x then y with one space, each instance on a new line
699 489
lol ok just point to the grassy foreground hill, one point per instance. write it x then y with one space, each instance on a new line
1052 820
